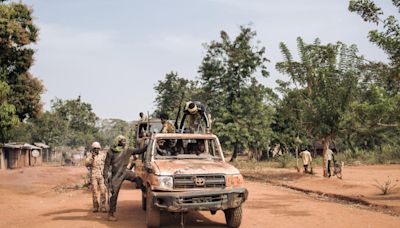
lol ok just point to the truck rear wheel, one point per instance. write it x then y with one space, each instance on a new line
143 200
233 216
152 212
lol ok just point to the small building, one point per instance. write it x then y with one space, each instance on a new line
18 155
46 152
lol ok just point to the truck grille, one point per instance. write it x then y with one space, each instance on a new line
203 200
199 181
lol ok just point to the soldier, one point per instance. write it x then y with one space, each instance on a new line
167 126
143 117
95 161
116 162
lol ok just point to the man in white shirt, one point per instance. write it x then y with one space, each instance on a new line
307 159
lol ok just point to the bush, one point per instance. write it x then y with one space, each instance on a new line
385 187
286 160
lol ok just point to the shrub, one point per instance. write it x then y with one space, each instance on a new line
385 187
285 160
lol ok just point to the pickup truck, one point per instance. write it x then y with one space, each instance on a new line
183 172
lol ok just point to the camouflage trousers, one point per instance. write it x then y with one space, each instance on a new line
98 188
116 182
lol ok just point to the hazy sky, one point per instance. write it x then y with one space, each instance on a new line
113 52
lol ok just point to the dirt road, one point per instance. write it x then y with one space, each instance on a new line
34 197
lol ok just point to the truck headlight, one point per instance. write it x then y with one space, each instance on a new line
165 182
234 180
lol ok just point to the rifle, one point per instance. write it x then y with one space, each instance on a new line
179 111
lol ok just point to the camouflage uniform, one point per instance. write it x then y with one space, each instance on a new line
96 163
168 128
117 160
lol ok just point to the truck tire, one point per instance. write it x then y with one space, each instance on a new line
233 217
152 212
143 200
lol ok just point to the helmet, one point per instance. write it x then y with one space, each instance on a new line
120 138
191 107
96 145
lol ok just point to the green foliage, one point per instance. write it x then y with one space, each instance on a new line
80 120
389 38
327 77
18 33
109 129
234 97
19 91
170 92
8 119
285 160
51 129
374 120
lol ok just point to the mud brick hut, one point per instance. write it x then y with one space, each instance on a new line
18 155
46 152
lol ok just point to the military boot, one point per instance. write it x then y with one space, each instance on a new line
111 217
95 207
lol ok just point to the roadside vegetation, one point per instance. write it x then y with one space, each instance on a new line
332 96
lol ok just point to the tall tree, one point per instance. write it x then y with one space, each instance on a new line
8 119
388 39
329 74
226 72
17 34
378 121
170 92
80 118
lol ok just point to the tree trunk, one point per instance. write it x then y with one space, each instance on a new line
325 143
235 152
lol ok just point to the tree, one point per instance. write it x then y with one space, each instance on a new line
329 75
109 129
80 119
51 129
388 39
377 110
8 118
170 92
17 34
226 73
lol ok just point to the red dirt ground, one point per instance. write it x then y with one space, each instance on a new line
28 199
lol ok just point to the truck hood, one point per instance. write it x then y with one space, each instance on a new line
193 166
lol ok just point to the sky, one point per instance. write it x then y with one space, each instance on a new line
112 53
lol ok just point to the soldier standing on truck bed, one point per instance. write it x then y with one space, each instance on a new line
116 162
95 161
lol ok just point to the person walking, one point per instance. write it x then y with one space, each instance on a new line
95 162
307 159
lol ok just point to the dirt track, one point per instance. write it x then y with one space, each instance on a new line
28 198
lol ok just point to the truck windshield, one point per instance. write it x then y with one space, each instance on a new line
187 149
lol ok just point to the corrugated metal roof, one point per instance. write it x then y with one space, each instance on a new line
41 145
21 146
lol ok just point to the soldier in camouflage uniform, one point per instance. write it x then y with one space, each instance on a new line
95 161
167 126
116 162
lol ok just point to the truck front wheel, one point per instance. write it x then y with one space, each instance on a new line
233 216
152 212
